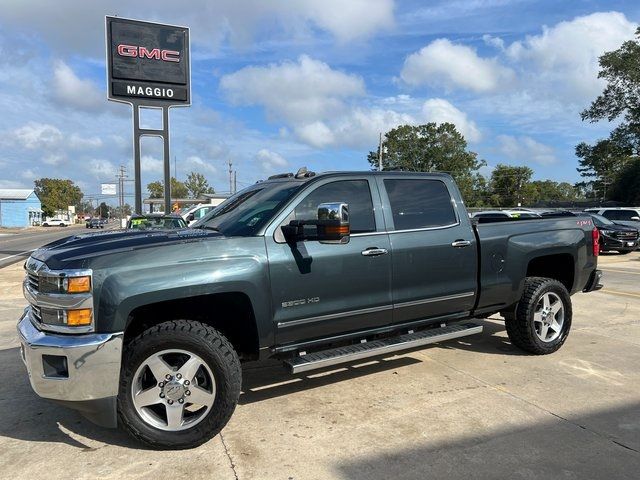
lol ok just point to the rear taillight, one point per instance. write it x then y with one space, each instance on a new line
595 235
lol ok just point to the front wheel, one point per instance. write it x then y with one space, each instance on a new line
542 318
179 385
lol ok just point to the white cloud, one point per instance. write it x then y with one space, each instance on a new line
36 135
440 111
270 161
102 169
195 163
78 142
212 23
563 60
70 90
304 91
316 134
54 159
149 164
526 149
446 64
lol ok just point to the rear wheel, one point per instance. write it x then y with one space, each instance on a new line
179 385
542 318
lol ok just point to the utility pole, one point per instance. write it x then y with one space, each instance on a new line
122 174
175 169
235 181
380 153
230 178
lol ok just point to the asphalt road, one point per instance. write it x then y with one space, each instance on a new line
15 247
470 408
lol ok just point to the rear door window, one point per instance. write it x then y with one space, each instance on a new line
417 203
619 214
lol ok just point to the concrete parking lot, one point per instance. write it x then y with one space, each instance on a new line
474 408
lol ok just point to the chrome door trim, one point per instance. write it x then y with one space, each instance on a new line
333 316
434 299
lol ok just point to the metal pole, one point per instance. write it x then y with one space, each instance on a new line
235 181
136 158
380 153
167 160
230 178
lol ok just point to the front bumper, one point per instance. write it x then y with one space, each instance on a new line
610 243
89 372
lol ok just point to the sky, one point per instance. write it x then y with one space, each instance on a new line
277 85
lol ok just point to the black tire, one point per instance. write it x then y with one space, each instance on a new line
521 327
219 355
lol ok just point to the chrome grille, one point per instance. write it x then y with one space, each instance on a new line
37 313
626 235
34 281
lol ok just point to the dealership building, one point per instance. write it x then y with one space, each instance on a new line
19 208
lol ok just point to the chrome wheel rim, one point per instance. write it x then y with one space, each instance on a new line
173 390
548 317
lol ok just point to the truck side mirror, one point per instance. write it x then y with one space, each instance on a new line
332 225
191 217
635 218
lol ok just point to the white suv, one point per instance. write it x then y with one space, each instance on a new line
56 222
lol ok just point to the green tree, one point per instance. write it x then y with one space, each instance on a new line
626 186
601 163
57 194
551 191
102 211
621 96
178 189
156 189
510 185
197 185
428 148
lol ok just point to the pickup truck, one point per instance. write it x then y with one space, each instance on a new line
148 330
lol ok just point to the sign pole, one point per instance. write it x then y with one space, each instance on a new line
136 158
167 160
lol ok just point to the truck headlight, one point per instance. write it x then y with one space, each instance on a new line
67 318
606 232
81 284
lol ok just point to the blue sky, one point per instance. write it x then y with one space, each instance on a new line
279 85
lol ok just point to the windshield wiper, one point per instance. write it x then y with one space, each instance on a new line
206 227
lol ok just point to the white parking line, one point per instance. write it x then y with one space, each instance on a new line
16 255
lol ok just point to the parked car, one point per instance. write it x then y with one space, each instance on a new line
149 331
96 223
56 222
194 214
620 238
629 216
156 221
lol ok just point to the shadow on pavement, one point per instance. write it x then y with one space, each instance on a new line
35 419
602 445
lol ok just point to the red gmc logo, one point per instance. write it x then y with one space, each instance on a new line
143 52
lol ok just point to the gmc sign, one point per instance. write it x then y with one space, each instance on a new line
147 63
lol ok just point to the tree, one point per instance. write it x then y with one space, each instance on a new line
57 194
428 148
197 185
510 185
601 163
621 96
156 189
102 211
626 186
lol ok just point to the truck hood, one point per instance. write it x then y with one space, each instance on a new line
78 248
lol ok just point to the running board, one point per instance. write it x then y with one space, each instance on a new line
334 356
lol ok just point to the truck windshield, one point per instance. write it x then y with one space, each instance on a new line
247 211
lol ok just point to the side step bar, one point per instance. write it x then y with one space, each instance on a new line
358 351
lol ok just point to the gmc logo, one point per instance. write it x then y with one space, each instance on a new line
143 52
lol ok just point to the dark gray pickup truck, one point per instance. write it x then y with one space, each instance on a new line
148 330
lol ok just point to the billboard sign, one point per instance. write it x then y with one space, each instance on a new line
108 189
147 63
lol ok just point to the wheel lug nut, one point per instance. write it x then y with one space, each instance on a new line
178 376
161 384
188 392
181 400
167 376
161 395
170 402
186 382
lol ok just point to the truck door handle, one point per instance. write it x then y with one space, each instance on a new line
460 243
374 252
